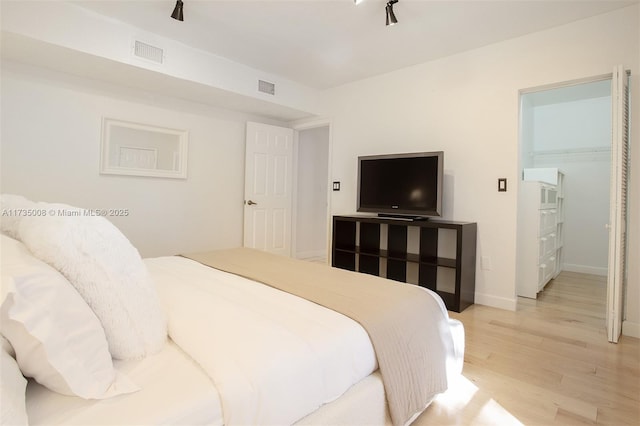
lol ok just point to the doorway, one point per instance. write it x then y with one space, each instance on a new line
311 194
616 224
568 127
286 190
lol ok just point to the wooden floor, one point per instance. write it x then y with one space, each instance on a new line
548 363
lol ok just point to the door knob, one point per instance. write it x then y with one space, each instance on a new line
251 203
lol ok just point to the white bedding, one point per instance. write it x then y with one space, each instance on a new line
174 391
240 353
184 395
273 357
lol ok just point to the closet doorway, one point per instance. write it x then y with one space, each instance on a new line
311 193
569 127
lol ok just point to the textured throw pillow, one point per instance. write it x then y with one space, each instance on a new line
14 208
57 338
12 389
106 270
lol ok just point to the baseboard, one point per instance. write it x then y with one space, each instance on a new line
496 302
584 269
631 329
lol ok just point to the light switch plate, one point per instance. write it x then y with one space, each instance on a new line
502 184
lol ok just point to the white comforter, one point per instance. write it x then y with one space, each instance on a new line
273 357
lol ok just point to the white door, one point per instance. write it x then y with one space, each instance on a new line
616 279
268 193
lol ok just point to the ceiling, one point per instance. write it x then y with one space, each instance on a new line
327 43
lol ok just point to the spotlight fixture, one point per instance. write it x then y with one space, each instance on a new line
177 11
391 17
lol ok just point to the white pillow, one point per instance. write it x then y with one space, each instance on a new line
57 338
14 208
106 270
12 389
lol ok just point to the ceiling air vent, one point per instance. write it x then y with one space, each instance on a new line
148 52
266 87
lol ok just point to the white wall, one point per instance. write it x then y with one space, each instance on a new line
571 125
51 127
526 132
586 239
467 106
313 158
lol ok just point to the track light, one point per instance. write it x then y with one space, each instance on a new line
391 17
177 11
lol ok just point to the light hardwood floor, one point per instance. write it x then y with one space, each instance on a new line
548 363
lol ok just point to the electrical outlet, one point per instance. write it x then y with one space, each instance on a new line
485 263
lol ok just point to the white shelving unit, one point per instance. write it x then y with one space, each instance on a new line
541 229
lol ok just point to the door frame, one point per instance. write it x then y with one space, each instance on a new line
301 126
593 79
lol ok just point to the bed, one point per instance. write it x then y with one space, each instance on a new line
223 337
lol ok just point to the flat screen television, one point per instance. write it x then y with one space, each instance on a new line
401 185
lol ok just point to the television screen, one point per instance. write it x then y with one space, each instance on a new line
401 184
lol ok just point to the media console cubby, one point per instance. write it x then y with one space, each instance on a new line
436 254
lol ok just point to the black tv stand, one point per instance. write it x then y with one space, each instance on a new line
436 254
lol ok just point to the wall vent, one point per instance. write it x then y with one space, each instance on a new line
266 87
148 52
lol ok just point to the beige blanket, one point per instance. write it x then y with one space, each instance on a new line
407 326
